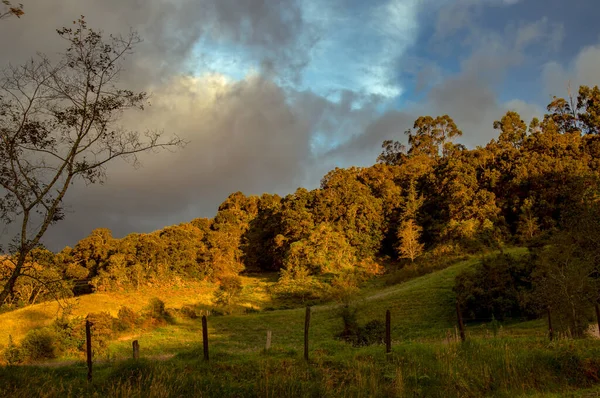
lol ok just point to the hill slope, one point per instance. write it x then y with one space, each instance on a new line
422 309
422 363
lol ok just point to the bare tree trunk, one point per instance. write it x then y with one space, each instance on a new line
12 280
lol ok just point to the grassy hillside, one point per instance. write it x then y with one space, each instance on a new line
18 322
519 362
422 309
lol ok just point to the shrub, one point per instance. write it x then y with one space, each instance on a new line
68 336
371 333
127 318
38 344
103 328
187 311
299 285
156 308
229 290
351 326
155 314
12 354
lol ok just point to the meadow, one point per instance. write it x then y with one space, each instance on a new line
427 358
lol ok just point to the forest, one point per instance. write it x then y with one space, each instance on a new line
416 208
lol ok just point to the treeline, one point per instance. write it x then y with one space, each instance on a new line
429 199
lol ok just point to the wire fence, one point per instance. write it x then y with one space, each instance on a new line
458 335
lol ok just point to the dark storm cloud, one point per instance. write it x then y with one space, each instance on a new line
274 31
250 136
243 135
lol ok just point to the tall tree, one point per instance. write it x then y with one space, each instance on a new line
431 135
512 129
260 250
394 153
225 240
349 204
59 122
588 104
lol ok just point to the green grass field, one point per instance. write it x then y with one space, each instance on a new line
520 361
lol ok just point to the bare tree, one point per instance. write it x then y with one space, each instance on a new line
59 122
8 9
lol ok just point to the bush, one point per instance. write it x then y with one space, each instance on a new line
351 326
68 336
127 317
229 290
103 329
306 289
38 344
155 314
156 308
187 311
12 354
372 333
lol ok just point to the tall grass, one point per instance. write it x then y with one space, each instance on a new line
481 367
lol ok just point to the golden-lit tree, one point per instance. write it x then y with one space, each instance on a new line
409 235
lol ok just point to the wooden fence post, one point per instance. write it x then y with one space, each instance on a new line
268 345
205 337
388 332
88 348
136 349
550 330
306 326
461 325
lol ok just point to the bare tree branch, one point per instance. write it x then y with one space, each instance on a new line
60 121
8 10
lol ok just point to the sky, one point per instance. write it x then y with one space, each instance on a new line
272 94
